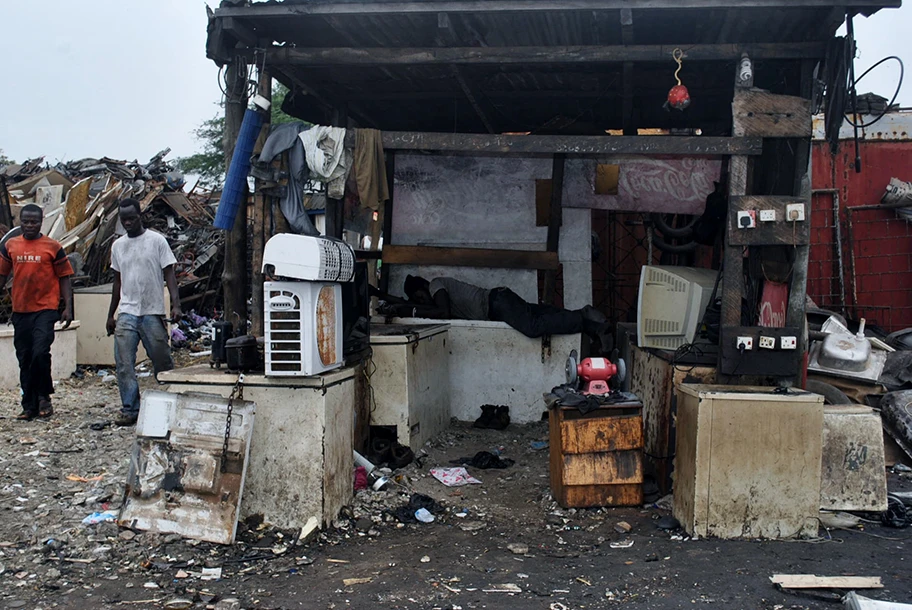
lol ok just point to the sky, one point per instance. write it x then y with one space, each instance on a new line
125 79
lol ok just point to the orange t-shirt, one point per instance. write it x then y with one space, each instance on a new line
36 265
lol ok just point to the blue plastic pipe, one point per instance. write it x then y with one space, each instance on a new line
236 179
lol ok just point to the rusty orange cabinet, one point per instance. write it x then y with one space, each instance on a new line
597 457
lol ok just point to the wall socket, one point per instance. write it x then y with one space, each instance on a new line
747 220
747 342
794 212
767 343
767 215
789 342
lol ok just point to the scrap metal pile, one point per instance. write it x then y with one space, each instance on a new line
80 203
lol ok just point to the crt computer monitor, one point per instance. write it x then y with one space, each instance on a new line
671 304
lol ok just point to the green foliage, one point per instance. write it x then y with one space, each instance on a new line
209 164
4 160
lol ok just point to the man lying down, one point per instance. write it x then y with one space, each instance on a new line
445 298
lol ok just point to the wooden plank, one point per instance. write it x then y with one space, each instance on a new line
600 434
285 10
525 55
555 220
581 145
589 496
781 231
810 581
760 113
468 257
614 468
388 215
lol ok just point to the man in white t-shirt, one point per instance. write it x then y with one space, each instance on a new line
142 261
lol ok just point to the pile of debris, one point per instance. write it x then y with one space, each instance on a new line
80 198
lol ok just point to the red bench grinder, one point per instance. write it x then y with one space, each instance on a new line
594 373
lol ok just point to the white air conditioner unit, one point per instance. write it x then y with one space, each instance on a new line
313 259
303 322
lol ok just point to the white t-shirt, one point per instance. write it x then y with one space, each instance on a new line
140 262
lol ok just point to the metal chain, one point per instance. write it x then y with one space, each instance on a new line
237 392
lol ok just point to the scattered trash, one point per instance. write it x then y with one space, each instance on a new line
360 478
79 479
484 460
425 559
897 515
622 527
178 603
151 585
505 588
101 425
454 477
538 445
423 515
899 467
837 520
472 526
518 549
211 574
356 581
810 581
100 517
853 601
668 523
108 379
622 544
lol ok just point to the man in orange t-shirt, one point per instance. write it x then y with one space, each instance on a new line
41 275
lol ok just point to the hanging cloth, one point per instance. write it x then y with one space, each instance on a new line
327 157
370 169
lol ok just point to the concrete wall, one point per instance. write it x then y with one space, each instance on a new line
63 356
485 202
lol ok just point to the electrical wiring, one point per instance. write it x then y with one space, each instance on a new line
902 71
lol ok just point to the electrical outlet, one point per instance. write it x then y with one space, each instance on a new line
794 212
747 220
789 342
767 343
765 216
747 342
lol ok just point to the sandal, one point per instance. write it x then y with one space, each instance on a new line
26 416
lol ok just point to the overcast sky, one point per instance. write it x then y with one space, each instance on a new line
128 78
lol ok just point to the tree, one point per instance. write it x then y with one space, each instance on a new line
209 164
4 160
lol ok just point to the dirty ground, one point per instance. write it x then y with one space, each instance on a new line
501 544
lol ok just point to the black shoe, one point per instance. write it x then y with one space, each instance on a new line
27 415
126 419
487 414
501 419
401 456
45 409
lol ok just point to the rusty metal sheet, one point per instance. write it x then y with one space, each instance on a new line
326 325
76 203
176 484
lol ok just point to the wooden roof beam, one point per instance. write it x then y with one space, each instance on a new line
533 6
342 56
579 145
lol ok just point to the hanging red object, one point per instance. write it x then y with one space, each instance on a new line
679 96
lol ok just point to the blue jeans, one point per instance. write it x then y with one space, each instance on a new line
151 330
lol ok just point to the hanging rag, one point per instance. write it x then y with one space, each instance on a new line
327 157
283 138
370 169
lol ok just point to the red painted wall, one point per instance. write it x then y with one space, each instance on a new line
881 240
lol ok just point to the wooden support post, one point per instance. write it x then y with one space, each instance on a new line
555 220
627 118
733 256
260 202
234 275
388 217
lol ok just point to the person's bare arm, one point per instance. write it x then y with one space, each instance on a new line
66 291
115 301
171 281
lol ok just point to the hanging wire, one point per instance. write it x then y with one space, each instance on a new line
678 56
902 73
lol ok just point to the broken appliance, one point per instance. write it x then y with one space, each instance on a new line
842 354
303 309
188 465
594 373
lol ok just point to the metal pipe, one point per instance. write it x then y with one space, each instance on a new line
837 225
850 236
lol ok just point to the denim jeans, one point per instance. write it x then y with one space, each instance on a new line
32 338
130 330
